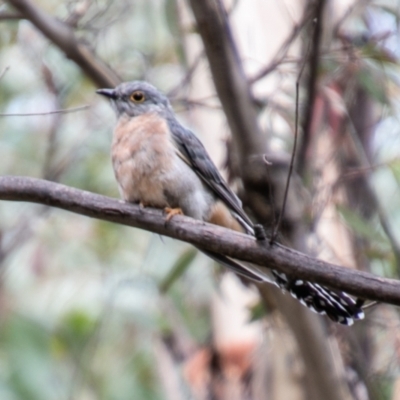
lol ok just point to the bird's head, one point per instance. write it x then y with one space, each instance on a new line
136 98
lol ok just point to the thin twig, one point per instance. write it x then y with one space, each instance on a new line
4 72
65 38
63 111
296 131
188 76
271 196
343 18
282 52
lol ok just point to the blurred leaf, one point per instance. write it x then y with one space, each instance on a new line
376 53
385 385
374 252
359 225
30 369
75 330
257 312
373 82
395 168
106 240
173 24
178 269
58 348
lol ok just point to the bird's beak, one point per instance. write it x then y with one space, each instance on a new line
110 93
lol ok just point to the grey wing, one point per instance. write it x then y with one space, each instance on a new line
192 151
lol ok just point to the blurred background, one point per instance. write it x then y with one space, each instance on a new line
93 310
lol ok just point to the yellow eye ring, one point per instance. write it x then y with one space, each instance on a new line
137 96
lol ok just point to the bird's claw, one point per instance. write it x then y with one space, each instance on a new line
171 212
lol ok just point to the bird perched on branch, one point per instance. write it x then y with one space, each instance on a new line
159 163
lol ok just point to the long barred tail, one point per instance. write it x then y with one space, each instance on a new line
338 306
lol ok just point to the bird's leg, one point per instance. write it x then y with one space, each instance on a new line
142 204
172 212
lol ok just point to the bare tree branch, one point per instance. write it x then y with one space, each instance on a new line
229 78
10 16
205 236
64 37
283 50
319 6
35 114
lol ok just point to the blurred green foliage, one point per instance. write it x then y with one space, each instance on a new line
85 303
79 299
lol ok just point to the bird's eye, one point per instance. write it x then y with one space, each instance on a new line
137 96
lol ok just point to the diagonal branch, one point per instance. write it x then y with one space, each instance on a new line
63 36
283 50
10 16
311 84
205 236
229 78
